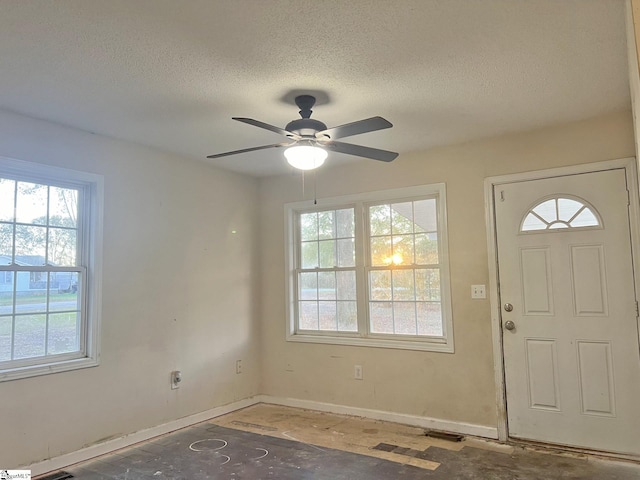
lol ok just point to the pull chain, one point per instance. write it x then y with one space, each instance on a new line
315 187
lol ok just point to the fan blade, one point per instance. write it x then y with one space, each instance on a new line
355 128
266 126
360 151
252 149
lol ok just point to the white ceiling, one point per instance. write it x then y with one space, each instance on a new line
172 73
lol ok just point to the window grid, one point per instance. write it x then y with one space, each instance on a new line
560 213
319 302
24 313
401 226
425 310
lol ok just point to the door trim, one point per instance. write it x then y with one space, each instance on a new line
629 164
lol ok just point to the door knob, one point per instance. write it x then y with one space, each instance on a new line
508 307
509 325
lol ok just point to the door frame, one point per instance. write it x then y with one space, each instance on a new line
629 164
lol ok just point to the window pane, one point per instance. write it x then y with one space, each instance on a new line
30 245
428 285
585 218
63 291
531 222
381 253
403 286
425 215
430 319
328 316
345 223
64 333
308 286
567 208
5 338
7 199
6 243
309 226
346 253
426 248
327 285
6 298
327 253
63 207
402 218
547 210
404 318
402 250
553 226
326 225
380 220
62 247
31 203
380 285
381 317
347 317
30 336
308 315
309 255
31 292
346 285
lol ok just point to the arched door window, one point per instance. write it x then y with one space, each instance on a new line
560 212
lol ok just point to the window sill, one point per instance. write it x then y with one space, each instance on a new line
17 373
422 345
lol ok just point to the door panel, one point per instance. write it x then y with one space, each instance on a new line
572 360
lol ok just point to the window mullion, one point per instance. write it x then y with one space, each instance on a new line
362 262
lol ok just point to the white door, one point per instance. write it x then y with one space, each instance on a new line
570 328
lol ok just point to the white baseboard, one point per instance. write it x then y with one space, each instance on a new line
414 420
104 448
72 458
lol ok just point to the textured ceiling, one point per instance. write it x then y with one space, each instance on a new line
172 73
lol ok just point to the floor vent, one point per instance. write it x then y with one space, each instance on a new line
61 475
451 437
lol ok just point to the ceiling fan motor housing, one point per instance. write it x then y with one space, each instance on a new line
305 127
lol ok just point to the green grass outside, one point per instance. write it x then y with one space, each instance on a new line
6 298
36 323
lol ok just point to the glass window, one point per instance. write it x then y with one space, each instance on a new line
371 270
48 309
560 213
326 296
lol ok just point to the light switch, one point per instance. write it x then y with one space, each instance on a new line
478 291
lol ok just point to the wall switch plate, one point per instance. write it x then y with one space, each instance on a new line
357 372
176 378
238 366
478 291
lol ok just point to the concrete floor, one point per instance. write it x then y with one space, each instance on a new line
273 442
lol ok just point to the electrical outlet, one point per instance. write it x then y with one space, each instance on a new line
176 378
478 291
357 372
238 366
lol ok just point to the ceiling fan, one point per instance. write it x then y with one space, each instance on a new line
309 139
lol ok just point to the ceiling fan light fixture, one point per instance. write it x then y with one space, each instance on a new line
305 157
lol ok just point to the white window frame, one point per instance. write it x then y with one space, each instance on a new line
89 265
363 337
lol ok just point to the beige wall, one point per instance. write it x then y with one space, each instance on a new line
457 387
178 293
